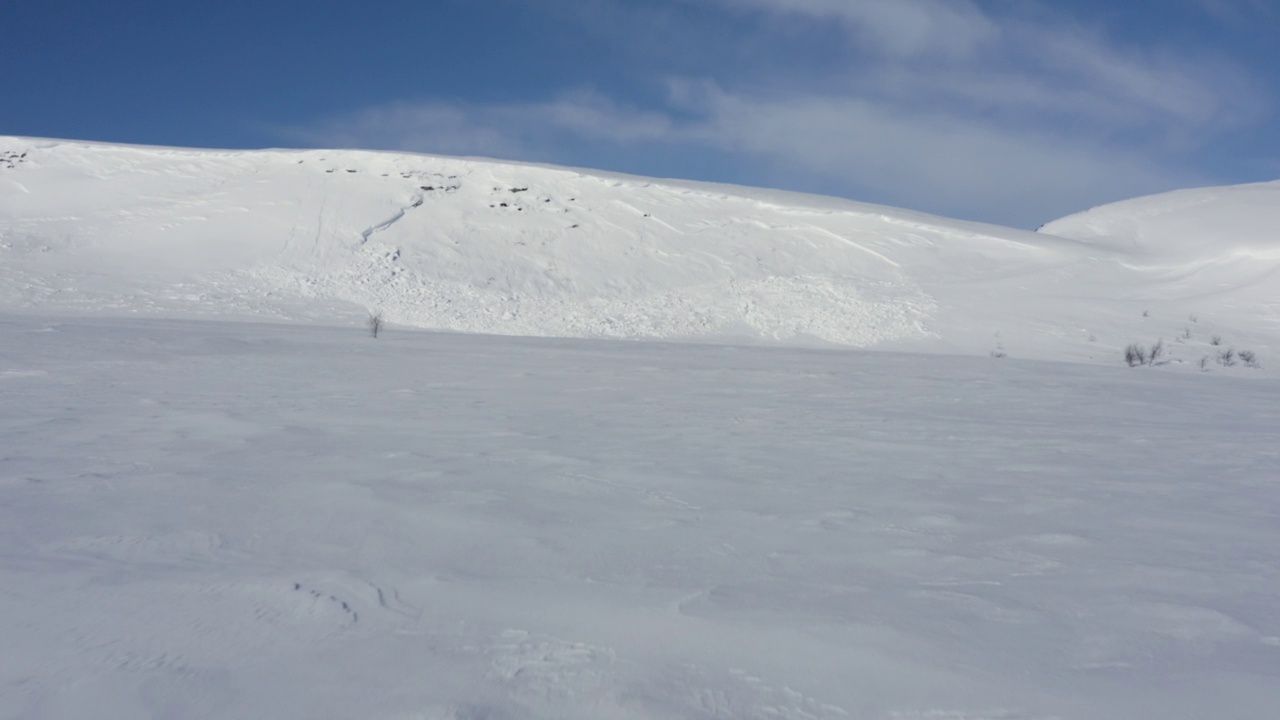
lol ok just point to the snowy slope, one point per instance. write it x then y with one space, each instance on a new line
1201 225
482 246
1211 251
1205 254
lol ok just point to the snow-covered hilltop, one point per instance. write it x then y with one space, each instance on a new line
1195 227
482 246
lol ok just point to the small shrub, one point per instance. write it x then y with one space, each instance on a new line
1186 333
374 323
1249 358
1216 340
1204 363
1156 351
1227 357
1135 355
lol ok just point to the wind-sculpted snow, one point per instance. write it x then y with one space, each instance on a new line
238 520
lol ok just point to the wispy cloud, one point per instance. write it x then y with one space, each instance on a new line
904 156
516 131
902 29
937 105
1046 66
1235 11
864 149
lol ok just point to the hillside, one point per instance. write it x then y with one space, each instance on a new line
481 246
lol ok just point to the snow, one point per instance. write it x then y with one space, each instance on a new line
480 246
246 520
1202 224
220 498
1214 249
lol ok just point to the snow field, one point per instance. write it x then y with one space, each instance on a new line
246 520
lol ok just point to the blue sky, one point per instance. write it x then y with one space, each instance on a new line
1009 111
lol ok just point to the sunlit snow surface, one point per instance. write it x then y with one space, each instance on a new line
488 247
236 520
206 516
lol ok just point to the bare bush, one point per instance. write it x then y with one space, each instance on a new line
1227 357
1135 355
1216 340
1249 358
1156 351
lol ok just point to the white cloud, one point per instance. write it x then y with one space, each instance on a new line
1155 87
926 51
929 160
1237 11
939 105
867 149
440 127
901 29
513 130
